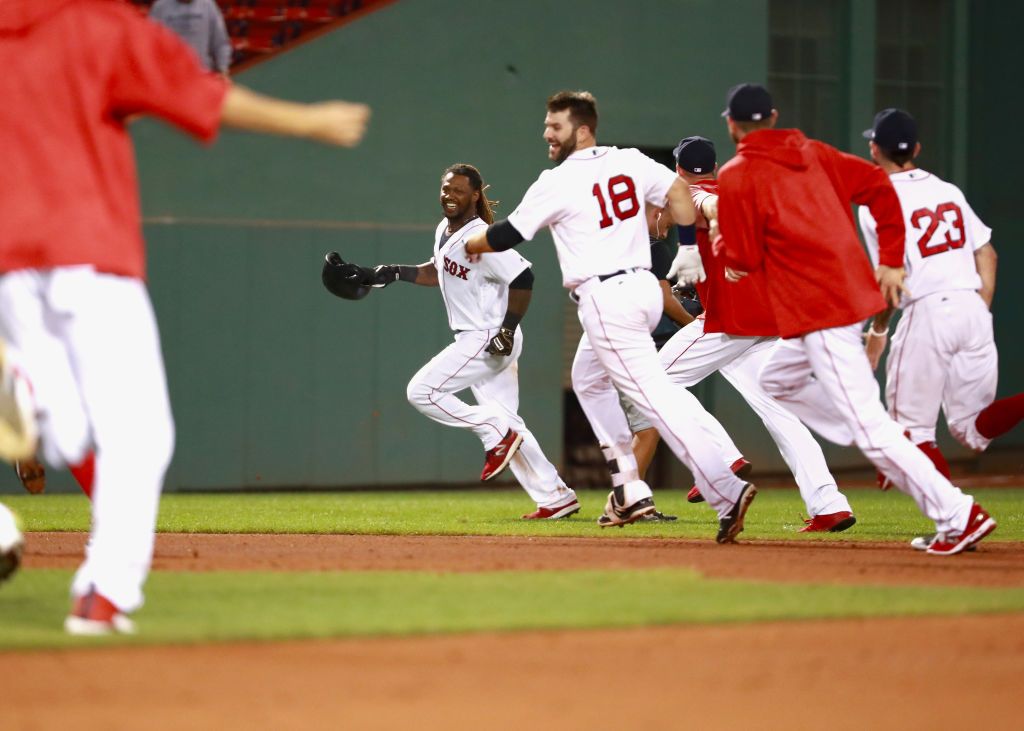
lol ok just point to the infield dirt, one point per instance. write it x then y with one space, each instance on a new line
915 673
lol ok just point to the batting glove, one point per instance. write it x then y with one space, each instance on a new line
384 274
687 266
501 344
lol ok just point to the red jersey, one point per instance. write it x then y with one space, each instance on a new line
734 308
784 208
74 70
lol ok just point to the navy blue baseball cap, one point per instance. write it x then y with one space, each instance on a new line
748 103
695 155
894 131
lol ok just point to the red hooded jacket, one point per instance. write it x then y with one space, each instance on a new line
785 206
73 72
734 308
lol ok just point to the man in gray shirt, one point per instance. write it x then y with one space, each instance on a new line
200 24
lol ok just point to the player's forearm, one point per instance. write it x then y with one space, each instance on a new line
518 304
680 204
880 322
673 308
335 122
426 275
985 259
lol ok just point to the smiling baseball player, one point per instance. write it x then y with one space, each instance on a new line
943 351
593 203
485 301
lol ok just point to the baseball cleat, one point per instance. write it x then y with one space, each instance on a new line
979 525
93 615
500 455
732 524
741 468
620 516
658 517
18 430
32 474
555 512
829 523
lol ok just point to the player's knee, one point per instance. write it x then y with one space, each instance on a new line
418 393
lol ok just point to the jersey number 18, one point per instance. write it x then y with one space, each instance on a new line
622 194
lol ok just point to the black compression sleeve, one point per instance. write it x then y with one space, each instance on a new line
502 235
407 273
523 281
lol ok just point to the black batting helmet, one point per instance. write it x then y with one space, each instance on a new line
343 279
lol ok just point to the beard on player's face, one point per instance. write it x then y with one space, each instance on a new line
565 147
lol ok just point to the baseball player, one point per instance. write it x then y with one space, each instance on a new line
72 295
593 202
784 208
943 353
485 302
645 436
12 543
736 336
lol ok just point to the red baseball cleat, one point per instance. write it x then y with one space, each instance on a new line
741 468
94 615
555 512
979 525
829 522
500 455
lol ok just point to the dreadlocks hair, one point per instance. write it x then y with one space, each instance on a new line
484 207
582 107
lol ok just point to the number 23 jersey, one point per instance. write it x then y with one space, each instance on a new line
943 232
593 203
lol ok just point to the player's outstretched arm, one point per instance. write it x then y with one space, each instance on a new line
331 122
384 274
985 260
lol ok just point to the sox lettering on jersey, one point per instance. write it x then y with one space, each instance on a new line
456 270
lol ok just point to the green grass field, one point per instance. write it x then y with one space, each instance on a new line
232 606
776 514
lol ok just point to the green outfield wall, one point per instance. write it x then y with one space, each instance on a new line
276 383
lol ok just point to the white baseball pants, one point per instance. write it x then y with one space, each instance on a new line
692 354
617 352
943 353
90 345
494 381
832 367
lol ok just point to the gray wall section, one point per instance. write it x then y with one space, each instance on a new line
276 383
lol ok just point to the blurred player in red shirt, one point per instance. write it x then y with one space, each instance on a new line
73 302
784 208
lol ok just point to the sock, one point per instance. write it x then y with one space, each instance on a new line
1000 416
85 473
932 452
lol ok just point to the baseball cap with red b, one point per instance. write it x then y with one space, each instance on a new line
894 131
748 103
695 155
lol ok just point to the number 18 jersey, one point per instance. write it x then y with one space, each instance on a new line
943 232
593 203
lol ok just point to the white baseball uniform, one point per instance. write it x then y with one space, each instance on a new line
476 297
943 351
593 203
691 355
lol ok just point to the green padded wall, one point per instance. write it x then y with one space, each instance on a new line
276 383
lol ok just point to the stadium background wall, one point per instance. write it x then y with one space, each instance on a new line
276 383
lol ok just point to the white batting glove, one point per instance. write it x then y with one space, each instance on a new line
687 266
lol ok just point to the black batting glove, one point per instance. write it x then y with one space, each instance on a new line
385 274
501 344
